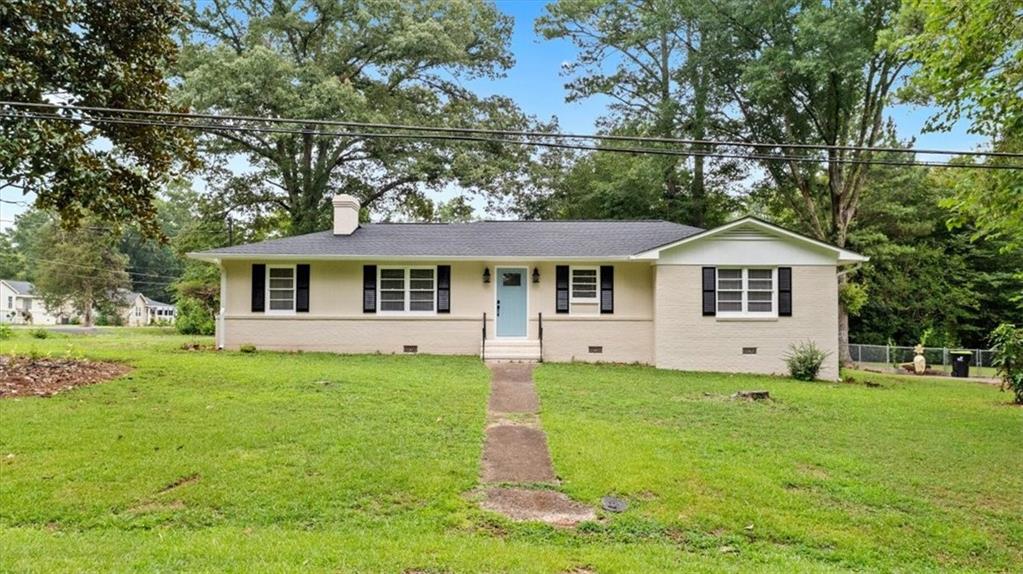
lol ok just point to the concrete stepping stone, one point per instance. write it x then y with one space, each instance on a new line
516 453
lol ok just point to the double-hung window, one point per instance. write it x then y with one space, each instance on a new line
280 288
407 289
746 292
584 285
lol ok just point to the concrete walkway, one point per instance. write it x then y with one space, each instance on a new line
516 470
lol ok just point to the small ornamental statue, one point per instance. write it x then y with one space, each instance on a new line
919 362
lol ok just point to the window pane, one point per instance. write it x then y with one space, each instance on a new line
278 295
583 273
392 274
426 284
392 305
730 284
584 294
421 295
421 273
760 273
729 273
760 295
280 283
421 305
397 284
729 306
729 295
286 305
392 295
281 272
760 307
761 284
511 279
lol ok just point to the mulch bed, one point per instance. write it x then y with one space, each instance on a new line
28 377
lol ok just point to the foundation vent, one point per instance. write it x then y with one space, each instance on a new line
411 348
596 350
749 350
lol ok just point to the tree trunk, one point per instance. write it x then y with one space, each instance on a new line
844 358
698 193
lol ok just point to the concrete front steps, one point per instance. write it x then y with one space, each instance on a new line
511 350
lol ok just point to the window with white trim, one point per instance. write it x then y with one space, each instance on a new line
407 289
280 289
746 292
585 283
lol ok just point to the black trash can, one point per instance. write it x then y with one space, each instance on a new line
961 363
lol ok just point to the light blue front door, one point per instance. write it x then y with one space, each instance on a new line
511 302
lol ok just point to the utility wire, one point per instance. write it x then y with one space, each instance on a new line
95 268
451 137
516 133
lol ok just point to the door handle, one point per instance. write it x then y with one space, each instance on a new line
498 307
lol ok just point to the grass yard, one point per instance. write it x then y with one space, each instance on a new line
203 461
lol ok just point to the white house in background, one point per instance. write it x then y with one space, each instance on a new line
20 305
141 310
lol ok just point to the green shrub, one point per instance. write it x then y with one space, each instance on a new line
193 318
805 360
1007 342
6 332
40 333
247 348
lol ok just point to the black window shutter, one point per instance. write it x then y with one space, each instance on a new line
785 291
302 288
709 291
258 287
607 289
443 288
561 289
369 288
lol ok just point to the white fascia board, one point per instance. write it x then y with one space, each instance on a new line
844 256
219 257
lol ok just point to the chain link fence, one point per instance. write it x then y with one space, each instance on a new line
887 357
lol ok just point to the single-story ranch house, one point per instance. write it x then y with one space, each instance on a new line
732 298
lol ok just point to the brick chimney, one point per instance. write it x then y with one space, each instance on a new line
346 214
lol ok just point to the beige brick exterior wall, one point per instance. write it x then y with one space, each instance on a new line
686 340
336 322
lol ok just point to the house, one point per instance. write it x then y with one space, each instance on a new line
139 310
732 298
21 305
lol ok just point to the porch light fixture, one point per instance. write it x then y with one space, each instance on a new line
486 275
536 275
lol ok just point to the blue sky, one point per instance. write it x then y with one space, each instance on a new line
535 82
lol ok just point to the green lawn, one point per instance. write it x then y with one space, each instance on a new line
291 462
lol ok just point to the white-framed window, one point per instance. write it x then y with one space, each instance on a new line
407 290
138 311
10 302
747 292
280 289
584 284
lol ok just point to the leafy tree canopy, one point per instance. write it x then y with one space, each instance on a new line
105 54
375 61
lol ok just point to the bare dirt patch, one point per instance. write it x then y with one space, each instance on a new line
28 377
543 505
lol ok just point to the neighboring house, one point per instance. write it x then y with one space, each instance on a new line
733 298
20 305
139 310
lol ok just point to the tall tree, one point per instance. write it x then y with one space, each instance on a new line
970 63
377 61
649 58
106 54
82 267
814 72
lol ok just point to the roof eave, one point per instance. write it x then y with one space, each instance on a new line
220 257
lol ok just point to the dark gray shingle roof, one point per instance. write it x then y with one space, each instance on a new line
21 287
478 239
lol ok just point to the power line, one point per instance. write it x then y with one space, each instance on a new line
451 137
95 268
516 133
